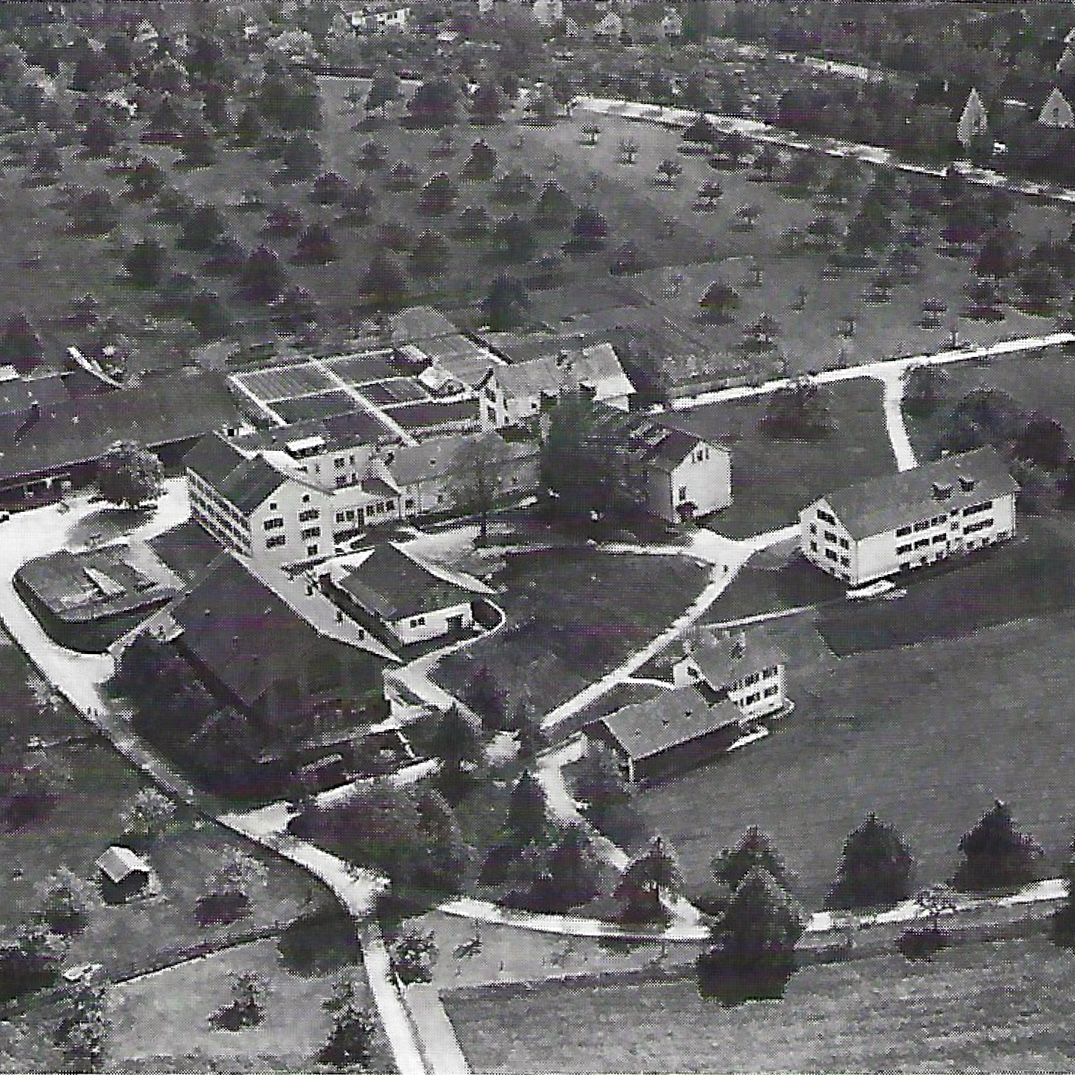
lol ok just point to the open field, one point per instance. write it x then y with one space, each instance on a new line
991 1007
572 617
773 479
1039 382
160 1022
1032 576
927 736
813 336
93 786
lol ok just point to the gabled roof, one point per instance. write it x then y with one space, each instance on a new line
724 658
213 458
1056 112
251 483
119 863
882 504
162 410
390 584
598 367
420 322
248 636
412 464
671 718
645 440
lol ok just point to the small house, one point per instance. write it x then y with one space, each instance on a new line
677 730
123 874
747 669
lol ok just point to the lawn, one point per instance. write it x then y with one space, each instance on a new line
1039 381
160 1022
1032 576
927 736
772 480
573 615
992 1007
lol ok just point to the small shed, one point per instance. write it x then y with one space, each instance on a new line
123 874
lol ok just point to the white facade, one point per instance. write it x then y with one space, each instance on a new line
703 480
974 121
758 694
945 533
432 624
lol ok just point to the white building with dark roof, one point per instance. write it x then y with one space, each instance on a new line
878 528
747 669
513 394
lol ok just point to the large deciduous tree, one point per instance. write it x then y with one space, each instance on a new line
129 475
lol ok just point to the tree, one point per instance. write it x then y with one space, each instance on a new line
82 1027
767 161
207 314
64 902
753 952
129 475
797 412
198 148
487 104
481 164
554 206
1042 441
430 256
708 194
592 132
93 213
145 180
149 813
262 278
384 89
1063 920
227 892
996 854
434 104
456 739
999 255
527 810
372 157
506 305
648 879
754 849
145 263
589 230
316 245
932 902
668 171
574 869
301 156
876 868
247 1007
328 188
599 783
578 463
513 238
701 131
203 226
383 285
413 956
350 1044
925 388
100 136
19 345
719 300
437 196
357 204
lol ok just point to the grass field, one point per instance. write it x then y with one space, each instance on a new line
1038 381
927 736
1032 576
983 1007
572 616
773 479
160 1022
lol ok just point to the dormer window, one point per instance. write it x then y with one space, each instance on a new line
966 484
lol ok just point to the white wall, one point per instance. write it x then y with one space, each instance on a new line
434 624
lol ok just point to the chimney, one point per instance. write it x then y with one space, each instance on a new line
942 490
966 483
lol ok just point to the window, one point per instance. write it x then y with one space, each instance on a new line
273 506
974 509
274 542
339 463
306 516
975 527
682 492
903 531
844 543
409 502
825 517
341 480
939 538
274 524
418 621
770 691
829 535
311 550
813 528
813 546
845 561
830 554
311 532
306 498
751 699
341 517
924 543
919 527
938 519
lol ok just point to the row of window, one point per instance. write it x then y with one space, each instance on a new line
769 692
973 528
825 517
309 514
975 509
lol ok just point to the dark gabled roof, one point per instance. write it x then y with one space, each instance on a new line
412 464
726 658
247 636
21 393
251 484
645 440
882 504
162 410
421 323
391 585
671 718
213 459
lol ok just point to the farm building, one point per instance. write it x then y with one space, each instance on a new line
886 525
399 597
678 730
123 874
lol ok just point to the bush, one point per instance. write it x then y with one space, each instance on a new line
414 955
28 963
923 943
